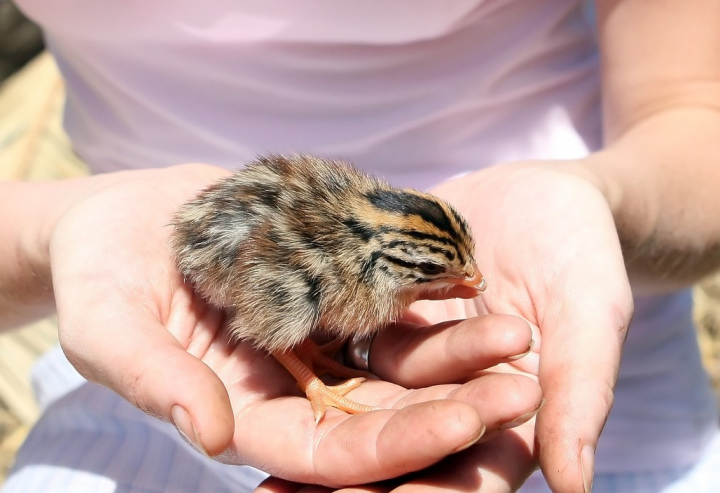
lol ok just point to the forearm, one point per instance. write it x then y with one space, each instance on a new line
661 179
27 214
660 169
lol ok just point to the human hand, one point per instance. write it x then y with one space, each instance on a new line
547 244
455 351
129 322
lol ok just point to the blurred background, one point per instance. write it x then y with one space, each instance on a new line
34 147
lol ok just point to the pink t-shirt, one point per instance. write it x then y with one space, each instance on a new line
418 91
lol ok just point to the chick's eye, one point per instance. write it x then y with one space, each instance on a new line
431 269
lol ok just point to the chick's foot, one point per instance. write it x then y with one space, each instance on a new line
320 395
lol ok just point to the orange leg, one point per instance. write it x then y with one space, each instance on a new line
319 360
329 348
319 394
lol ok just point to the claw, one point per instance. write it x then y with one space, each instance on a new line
320 395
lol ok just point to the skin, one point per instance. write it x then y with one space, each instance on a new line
576 297
649 198
641 210
128 322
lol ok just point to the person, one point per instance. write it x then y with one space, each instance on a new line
583 212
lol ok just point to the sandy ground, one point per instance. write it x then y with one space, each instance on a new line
12 434
707 317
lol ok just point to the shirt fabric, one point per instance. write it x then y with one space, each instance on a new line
417 91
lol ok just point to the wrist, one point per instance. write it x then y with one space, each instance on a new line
30 211
635 204
631 199
660 179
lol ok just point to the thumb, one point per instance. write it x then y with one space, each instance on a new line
125 348
579 361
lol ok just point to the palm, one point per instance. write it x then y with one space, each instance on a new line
548 247
128 321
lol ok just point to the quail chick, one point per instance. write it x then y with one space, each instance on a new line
293 245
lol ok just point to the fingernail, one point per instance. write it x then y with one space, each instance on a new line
521 419
473 440
522 355
186 428
587 465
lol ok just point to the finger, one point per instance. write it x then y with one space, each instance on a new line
381 444
502 401
497 467
500 466
122 345
579 361
447 352
347 450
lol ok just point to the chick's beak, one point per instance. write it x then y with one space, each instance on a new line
468 286
474 279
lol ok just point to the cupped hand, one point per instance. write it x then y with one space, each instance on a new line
455 351
549 249
129 322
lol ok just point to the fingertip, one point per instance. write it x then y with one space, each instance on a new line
571 473
209 420
474 438
185 426
431 430
587 466
184 391
567 436
389 443
421 356
578 371
493 337
516 337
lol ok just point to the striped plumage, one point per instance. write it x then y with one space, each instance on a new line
290 244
